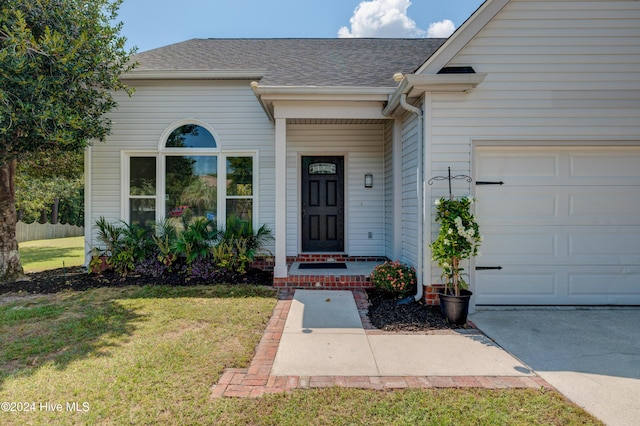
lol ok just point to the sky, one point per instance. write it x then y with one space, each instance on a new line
156 23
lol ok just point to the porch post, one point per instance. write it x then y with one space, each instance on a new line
280 268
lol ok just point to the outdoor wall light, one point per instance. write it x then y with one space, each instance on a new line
368 180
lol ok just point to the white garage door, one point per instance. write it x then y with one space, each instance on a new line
564 227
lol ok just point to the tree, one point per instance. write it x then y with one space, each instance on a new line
60 62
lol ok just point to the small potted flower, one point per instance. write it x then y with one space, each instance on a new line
395 278
459 238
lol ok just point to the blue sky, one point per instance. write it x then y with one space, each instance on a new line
151 24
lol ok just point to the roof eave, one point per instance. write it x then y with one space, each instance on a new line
194 75
415 85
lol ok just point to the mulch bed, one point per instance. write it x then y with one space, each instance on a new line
384 311
386 314
78 279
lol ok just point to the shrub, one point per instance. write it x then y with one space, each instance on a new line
196 240
124 244
238 244
232 255
395 277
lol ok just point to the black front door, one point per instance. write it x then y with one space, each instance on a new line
322 204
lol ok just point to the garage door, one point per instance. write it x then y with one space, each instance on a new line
562 229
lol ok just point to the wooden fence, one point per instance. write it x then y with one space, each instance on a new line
46 231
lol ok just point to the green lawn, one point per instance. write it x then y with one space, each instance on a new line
42 255
150 355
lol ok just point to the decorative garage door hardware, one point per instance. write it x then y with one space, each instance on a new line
484 182
487 268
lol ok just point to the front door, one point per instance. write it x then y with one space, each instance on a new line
322 204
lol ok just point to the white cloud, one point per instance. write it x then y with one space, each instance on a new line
442 29
382 18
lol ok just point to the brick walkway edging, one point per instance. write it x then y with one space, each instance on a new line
256 380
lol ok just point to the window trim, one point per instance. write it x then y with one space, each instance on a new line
254 184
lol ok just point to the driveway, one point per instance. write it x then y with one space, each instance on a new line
591 355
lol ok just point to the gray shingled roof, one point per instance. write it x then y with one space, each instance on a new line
368 62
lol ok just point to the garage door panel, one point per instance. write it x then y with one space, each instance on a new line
616 283
602 245
544 165
536 165
560 245
517 285
515 206
506 243
559 205
603 205
609 166
547 285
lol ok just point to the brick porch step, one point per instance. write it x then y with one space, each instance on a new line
334 282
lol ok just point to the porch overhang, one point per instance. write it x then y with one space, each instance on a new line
322 102
416 85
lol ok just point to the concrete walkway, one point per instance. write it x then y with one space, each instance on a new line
323 335
320 338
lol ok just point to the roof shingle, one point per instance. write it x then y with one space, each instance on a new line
366 62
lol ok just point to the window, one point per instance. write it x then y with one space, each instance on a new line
190 136
240 188
181 179
191 183
142 190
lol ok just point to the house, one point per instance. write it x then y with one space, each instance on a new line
333 144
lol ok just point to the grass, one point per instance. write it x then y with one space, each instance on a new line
42 255
150 355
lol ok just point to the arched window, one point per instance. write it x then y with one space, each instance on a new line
191 136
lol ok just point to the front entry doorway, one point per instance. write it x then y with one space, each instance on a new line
322 212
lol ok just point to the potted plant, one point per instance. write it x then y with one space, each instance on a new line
459 238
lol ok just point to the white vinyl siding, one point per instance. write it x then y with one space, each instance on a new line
556 71
362 147
388 190
230 109
410 154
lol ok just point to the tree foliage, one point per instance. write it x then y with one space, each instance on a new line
59 63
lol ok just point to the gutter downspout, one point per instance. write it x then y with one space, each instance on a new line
419 192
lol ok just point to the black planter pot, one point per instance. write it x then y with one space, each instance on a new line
455 308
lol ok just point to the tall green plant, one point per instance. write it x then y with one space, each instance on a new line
459 238
196 240
238 244
165 239
136 245
109 235
238 229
